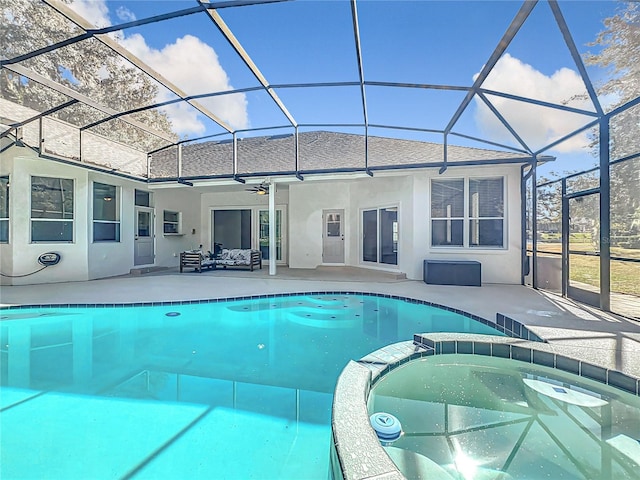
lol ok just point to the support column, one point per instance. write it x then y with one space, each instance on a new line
272 229
566 225
523 223
605 217
534 223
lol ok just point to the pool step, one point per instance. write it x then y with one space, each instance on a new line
143 270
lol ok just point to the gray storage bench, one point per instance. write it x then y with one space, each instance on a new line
452 272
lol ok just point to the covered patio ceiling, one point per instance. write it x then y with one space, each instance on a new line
509 77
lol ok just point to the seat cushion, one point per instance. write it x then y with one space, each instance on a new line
235 256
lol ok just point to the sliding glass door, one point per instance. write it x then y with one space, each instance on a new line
248 228
380 235
231 228
263 219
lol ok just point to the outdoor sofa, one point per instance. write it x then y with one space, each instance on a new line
234 257
239 257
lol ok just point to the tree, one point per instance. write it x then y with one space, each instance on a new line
87 67
619 55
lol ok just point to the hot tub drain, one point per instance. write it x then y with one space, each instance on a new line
387 427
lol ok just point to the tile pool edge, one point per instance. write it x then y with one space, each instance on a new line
356 450
506 325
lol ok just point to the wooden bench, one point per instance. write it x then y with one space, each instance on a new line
196 261
452 272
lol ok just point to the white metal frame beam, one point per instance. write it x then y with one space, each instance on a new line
36 77
108 41
242 53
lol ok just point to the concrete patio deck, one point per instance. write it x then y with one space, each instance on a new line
583 332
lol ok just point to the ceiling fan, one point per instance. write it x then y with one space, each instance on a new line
262 189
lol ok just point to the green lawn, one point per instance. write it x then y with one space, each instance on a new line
586 269
624 275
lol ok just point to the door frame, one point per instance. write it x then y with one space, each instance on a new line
343 226
378 264
576 293
152 226
255 226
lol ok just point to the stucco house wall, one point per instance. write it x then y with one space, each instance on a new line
84 259
383 190
302 201
186 202
23 163
228 200
307 201
411 194
6 249
499 265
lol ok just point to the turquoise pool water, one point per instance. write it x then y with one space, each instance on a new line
474 417
235 389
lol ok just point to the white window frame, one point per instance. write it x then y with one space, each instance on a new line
396 236
467 218
6 219
449 218
72 220
471 218
149 198
177 223
111 222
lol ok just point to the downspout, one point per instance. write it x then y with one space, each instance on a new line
534 220
523 223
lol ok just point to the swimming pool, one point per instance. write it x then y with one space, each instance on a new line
479 417
226 389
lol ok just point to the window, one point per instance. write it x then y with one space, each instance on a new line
333 225
51 209
142 199
106 213
4 209
171 222
486 212
480 224
447 212
380 235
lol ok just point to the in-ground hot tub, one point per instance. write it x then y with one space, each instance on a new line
489 408
479 417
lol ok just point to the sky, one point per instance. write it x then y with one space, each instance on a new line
426 42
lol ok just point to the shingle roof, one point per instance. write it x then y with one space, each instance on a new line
318 151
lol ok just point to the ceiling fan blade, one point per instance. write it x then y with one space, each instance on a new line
261 189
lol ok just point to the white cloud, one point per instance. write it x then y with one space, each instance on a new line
193 66
124 14
537 126
95 11
189 63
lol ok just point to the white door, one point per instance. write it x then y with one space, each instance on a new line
143 253
333 236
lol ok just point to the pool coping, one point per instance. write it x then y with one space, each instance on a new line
356 450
